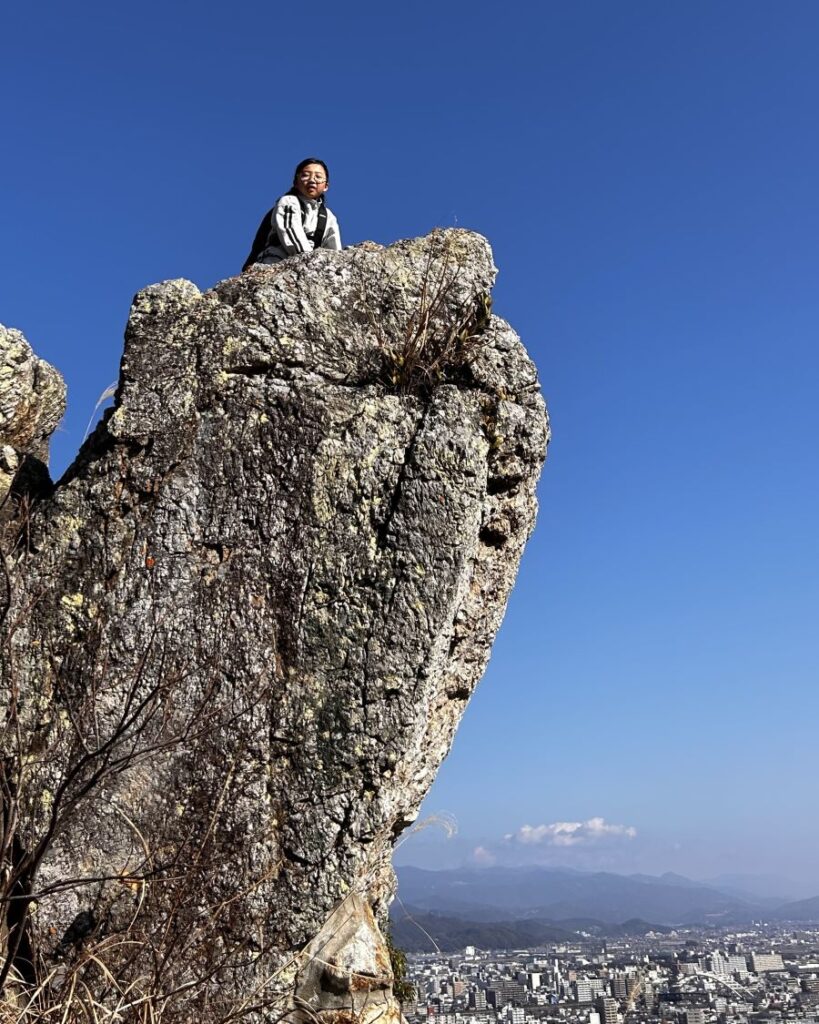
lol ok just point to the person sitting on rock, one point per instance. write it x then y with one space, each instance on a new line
300 221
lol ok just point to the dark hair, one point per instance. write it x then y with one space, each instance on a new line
304 163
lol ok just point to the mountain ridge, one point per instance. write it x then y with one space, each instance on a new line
556 895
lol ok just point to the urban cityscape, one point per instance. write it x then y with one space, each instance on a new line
765 974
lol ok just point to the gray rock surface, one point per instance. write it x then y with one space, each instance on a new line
32 403
240 632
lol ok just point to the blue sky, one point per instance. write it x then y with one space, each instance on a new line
646 173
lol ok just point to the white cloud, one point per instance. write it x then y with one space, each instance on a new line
483 857
571 833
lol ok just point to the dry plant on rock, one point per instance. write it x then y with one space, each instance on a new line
149 945
434 342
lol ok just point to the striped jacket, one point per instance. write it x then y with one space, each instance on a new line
289 228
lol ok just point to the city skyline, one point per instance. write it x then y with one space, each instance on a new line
690 976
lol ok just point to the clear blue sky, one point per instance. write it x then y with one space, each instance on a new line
647 174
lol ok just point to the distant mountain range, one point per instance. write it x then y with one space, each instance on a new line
502 907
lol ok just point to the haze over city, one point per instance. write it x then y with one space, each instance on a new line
646 174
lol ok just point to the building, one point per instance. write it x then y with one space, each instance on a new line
477 999
694 1015
737 964
607 1008
763 962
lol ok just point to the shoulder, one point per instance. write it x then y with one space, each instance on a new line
287 201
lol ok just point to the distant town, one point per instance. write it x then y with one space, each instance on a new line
765 974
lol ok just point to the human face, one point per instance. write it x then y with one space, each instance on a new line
311 181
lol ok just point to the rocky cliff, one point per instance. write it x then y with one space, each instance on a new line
239 633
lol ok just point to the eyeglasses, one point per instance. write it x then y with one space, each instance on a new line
312 177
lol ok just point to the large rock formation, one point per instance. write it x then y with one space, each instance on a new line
241 630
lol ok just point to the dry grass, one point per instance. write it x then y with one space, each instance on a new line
438 335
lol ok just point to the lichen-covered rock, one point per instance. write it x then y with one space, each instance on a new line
243 629
32 403
32 396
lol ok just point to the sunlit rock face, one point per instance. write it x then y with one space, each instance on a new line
240 633
32 403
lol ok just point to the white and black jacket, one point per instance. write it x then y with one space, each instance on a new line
290 228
